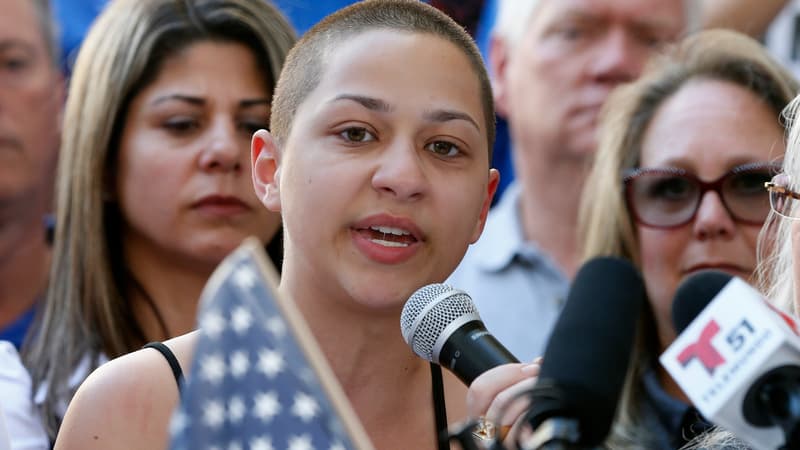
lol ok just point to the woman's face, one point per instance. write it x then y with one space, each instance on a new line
183 182
707 128
384 179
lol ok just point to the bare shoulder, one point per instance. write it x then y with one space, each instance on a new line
127 402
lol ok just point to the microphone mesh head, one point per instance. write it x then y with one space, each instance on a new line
428 312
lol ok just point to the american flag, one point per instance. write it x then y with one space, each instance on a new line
251 385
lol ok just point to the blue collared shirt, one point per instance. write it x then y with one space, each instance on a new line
672 422
518 289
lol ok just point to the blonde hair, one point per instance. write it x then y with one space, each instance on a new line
775 270
606 226
85 312
305 64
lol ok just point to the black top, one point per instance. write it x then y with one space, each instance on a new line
171 359
439 408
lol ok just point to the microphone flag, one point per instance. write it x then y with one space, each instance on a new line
724 351
258 380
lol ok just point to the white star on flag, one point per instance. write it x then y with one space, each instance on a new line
241 319
214 414
178 423
261 443
236 410
213 324
300 443
240 364
270 362
212 368
245 277
267 406
276 326
305 407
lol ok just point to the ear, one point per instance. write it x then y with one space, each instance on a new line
265 159
491 188
499 53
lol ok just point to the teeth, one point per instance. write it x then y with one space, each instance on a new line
390 230
389 243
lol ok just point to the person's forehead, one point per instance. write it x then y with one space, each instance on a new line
668 14
19 23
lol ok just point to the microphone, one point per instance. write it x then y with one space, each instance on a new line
586 359
737 359
441 324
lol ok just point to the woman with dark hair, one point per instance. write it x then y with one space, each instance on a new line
153 187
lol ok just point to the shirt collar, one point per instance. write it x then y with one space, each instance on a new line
502 237
677 417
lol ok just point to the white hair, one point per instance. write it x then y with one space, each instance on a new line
513 17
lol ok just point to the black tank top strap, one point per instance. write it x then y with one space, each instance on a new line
439 407
177 372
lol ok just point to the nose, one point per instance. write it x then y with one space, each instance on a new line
712 219
619 58
223 152
400 172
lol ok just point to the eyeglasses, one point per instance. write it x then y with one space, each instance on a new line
670 197
782 199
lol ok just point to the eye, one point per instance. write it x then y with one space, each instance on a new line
357 134
252 126
749 183
570 33
14 64
443 148
670 189
181 125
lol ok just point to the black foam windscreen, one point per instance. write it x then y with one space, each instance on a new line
588 354
694 294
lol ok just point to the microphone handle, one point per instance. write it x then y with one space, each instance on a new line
471 350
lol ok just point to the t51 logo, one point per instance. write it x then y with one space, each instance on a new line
703 349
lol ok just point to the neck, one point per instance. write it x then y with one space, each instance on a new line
24 263
173 287
384 381
549 199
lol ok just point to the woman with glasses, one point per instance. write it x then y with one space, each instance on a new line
678 187
779 269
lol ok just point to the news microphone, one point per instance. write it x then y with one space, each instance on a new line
586 359
738 359
442 325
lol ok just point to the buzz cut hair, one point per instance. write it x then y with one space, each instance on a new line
305 64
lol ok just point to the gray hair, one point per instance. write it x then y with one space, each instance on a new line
514 16
49 29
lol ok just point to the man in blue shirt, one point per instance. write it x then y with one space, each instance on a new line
31 99
553 64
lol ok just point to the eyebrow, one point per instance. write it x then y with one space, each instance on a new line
199 101
371 103
11 43
446 115
378 105
645 23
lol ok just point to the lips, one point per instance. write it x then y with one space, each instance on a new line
722 267
387 239
218 204
9 142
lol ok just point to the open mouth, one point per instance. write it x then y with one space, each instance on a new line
389 236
